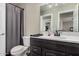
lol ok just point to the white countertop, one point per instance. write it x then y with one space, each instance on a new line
64 38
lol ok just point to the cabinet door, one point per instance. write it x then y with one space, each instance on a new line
72 50
36 49
35 42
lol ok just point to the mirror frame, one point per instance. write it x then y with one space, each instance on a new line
66 11
41 22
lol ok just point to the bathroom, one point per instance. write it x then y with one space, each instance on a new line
29 27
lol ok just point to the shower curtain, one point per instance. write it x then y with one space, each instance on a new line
12 26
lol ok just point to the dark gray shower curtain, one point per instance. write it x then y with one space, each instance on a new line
13 26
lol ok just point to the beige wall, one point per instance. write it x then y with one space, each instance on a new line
31 18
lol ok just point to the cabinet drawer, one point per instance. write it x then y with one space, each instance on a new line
35 42
36 49
50 54
60 47
34 54
47 52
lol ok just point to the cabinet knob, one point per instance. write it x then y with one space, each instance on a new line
34 49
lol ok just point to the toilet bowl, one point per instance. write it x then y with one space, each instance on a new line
21 50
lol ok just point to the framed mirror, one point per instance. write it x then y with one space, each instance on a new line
46 22
64 17
66 21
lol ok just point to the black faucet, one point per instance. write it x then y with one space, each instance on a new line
57 33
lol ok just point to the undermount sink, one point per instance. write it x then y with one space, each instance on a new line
59 37
52 37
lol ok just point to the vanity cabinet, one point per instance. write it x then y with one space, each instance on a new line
48 52
46 47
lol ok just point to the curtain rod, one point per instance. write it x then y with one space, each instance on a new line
15 5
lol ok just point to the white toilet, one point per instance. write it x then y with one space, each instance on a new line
21 50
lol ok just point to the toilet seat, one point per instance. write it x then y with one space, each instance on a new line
18 50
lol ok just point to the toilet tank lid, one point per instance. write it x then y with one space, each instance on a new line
17 48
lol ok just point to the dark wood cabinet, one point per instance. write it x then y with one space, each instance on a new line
44 47
36 50
47 52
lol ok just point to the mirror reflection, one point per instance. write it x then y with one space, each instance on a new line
59 16
46 22
66 21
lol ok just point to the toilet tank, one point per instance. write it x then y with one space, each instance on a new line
26 41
